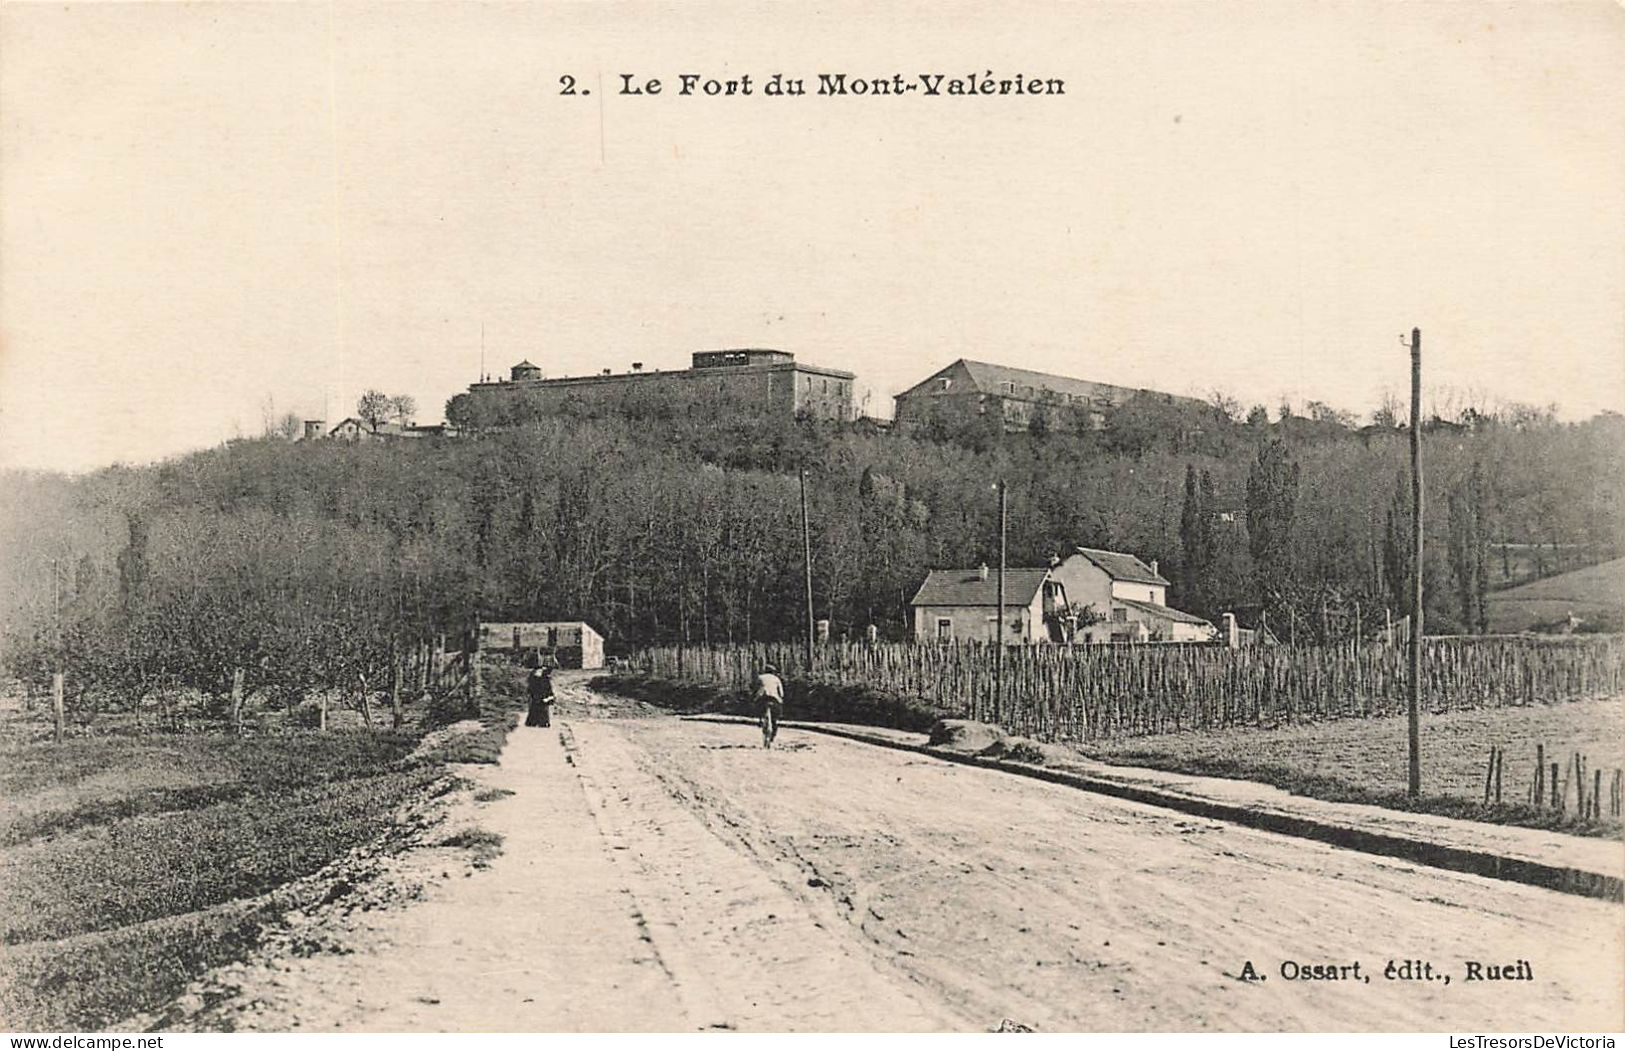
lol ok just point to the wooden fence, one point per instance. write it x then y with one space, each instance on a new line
1098 692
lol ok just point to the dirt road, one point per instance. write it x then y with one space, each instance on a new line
667 875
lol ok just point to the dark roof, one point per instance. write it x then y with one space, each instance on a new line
1178 616
965 587
1121 566
989 378
526 364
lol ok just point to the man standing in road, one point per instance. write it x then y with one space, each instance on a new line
540 684
770 695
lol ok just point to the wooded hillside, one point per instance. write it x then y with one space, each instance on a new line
306 563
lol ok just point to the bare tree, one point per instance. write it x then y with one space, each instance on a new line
403 407
374 408
1224 404
1390 411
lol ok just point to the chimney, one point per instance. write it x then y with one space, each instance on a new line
1054 560
1154 566
982 572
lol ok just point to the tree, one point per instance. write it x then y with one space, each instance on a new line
403 407
1272 497
1224 405
374 408
1468 553
1388 414
1196 541
1396 548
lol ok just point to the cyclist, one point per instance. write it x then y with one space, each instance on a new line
770 695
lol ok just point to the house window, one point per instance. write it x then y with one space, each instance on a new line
945 628
1120 614
946 383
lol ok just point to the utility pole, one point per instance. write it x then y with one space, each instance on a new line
1414 716
998 658
806 561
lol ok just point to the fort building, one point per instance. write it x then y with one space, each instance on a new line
966 391
751 381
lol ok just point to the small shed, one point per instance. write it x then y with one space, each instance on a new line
572 643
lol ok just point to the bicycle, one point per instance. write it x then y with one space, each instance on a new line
770 723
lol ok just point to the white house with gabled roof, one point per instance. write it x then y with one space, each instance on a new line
1131 595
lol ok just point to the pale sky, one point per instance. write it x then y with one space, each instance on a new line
206 208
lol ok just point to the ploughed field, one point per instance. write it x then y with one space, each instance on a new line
130 863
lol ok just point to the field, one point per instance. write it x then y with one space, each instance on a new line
128 864
1595 593
1363 760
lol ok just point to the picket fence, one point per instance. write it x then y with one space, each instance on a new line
1101 692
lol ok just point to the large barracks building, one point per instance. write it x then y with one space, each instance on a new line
768 381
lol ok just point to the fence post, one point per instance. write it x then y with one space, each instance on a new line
237 701
58 716
396 717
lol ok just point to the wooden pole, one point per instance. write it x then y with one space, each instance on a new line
58 716
998 637
237 702
396 716
1414 711
806 562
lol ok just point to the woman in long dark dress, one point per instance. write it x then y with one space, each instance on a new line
540 684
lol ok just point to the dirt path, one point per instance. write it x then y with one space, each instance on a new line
667 875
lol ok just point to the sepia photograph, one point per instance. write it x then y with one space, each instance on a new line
739 516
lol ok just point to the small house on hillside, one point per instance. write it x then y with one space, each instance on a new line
355 429
1131 595
962 605
572 643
